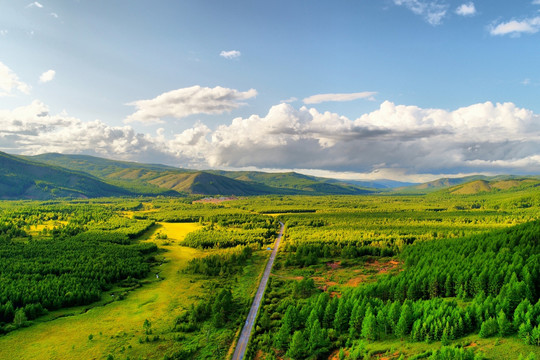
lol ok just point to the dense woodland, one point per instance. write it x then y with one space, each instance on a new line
467 266
486 284
84 251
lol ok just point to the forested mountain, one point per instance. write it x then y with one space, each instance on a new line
158 178
23 179
296 181
472 184
478 186
124 178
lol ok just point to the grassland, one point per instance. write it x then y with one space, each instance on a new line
117 326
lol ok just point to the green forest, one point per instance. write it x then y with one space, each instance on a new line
433 276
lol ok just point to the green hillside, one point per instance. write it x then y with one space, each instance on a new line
479 186
25 179
128 175
96 166
295 181
469 184
161 178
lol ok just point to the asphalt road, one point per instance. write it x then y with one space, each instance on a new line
243 340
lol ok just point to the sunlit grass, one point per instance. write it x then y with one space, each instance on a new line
117 327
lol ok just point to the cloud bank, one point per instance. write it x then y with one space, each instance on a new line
400 139
188 101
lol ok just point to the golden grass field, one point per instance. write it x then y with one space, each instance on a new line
117 326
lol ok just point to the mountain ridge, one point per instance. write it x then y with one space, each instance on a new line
63 175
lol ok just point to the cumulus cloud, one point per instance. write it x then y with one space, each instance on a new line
536 2
516 28
467 9
9 81
33 129
231 54
395 139
315 99
432 11
47 76
392 137
188 101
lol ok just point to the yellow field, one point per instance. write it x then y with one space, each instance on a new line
117 327
35 229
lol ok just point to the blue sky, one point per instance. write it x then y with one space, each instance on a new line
405 89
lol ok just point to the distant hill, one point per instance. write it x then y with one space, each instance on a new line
468 184
479 186
129 175
294 181
376 184
24 179
446 182
123 177
159 178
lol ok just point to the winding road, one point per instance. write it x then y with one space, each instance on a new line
243 340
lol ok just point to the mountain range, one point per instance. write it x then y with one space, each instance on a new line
49 176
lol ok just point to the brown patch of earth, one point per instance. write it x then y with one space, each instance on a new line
259 355
386 357
471 345
335 355
334 265
322 280
383 268
355 281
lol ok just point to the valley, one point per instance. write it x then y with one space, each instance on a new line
337 251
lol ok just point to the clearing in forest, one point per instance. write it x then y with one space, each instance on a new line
118 326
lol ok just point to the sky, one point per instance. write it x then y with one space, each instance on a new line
409 90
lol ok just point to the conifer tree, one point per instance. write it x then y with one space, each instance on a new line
298 348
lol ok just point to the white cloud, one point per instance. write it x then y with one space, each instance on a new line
536 2
188 101
35 4
289 100
54 15
397 141
478 138
526 82
315 99
515 28
432 11
3 32
9 81
467 9
47 76
231 54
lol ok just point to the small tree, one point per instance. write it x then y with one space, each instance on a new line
147 326
369 326
298 347
20 318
